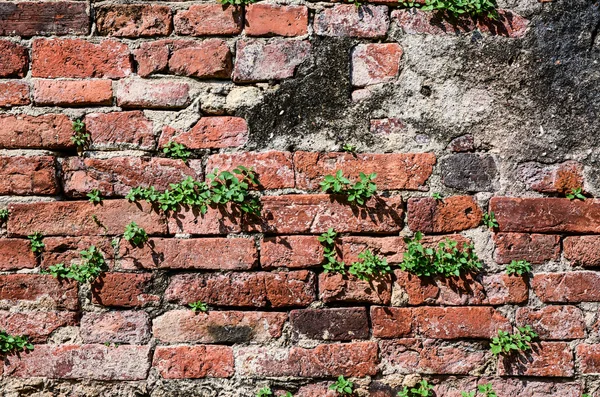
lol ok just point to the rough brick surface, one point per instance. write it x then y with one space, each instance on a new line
560 178
208 20
276 20
451 214
15 60
567 287
590 358
339 288
51 18
133 20
22 175
554 322
375 63
123 290
37 325
545 359
14 93
50 131
458 322
15 254
207 59
347 20
117 130
72 92
534 248
330 324
180 362
291 251
209 132
38 291
67 250
130 327
582 250
152 95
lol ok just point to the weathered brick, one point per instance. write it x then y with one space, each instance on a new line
76 58
546 215
123 290
72 92
451 214
394 171
120 130
463 143
48 131
413 21
469 172
330 324
14 93
15 254
43 18
335 287
67 250
349 359
375 63
185 326
276 60
209 20
131 327
79 218
294 252
209 132
133 20
152 94
567 287
413 290
190 362
273 169
36 325
534 248
28 175
391 322
582 250
458 322
15 60
116 176
286 289
206 59
553 322
545 359
34 290
152 57
386 126
504 289
319 212
276 20
216 220
529 388
589 357
201 253
559 178
94 362
367 21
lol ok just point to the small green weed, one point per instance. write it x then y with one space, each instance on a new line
458 8
237 2
342 386
489 219
10 344
518 267
199 306
36 243
358 192
576 193
135 234
94 196
437 196
369 267
188 193
331 263
226 187
423 389
80 138
264 392
505 343
486 390
348 148
92 264
4 215
176 150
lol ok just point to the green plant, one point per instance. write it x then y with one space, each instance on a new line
4 215
437 196
575 193
371 266
423 389
264 392
358 192
446 261
457 8
176 150
94 196
237 2
348 148
199 306
10 344
342 386
486 390
80 138
187 192
35 241
135 234
331 264
92 264
489 219
226 187
506 343
518 267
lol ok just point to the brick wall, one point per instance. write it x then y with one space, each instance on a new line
257 86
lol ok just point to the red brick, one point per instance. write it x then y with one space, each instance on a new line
504 289
67 250
276 20
123 290
462 144
78 58
375 63
316 213
43 18
391 322
546 359
94 362
198 253
349 359
72 92
546 215
276 60
286 289
116 176
529 388
534 248
209 133
553 322
387 126
36 325
367 21
589 358
28 175
394 171
15 254
567 287
131 327
582 250
39 291
76 218
152 57
316 390
209 20
556 178
15 59
294 252
14 93
451 214
458 322
133 20
152 94
274 169
335 287
206 59
186 326
414 290
414 21
190 362
330 324
49 131
120 130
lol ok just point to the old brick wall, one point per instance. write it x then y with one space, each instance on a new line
496 116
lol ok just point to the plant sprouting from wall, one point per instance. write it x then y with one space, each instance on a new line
356 192
94 196
422 389
92 264
369 266
342 386
575 193
506 343
176 150
234 187
331 263
460 8
4 213
489 219
36 243
486 390
80 138
518 268
10 344
199 306
135 234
